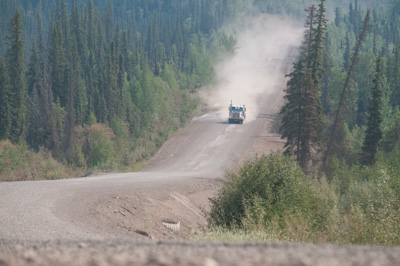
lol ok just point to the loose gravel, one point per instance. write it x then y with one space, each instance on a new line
127 252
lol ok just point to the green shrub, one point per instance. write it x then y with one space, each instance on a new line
371 211
392 165
269 198
101 150
12 157
77 157
18 163
120 128
265 189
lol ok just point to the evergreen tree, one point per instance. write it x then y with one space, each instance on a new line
78 85
63 17
33 75
326 96
58 63
347 53
395 76
126 60
361 109
152 44
15 60
37 127
302 114
316 53
374 49
313 121
91 25
293 110
374 119
109 21
79 33
5 108
70 116
41 37
309 36
111 82
351 14
338 16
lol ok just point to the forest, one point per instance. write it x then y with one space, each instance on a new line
101 84
342 97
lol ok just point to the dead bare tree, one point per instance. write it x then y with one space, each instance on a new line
353 62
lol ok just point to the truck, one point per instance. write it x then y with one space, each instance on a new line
237 113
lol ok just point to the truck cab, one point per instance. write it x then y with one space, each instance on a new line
237 113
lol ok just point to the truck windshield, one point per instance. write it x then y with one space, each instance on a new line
235 108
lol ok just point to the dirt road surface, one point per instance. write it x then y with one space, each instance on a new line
145 218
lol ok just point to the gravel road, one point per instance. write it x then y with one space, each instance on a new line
146 218
124 252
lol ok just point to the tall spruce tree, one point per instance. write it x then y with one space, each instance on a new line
5 108
79 33
316 58
338 16
58 63
347 53
15 64
36 126
111 82
308 38
374 119
302 114
33 74
326 78
395 76
292 111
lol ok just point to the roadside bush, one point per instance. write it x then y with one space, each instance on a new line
264 190
120 128
101 151
77 157
269 199
371 210
392 165
95 147
18 163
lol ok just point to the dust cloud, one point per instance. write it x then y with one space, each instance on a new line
255 70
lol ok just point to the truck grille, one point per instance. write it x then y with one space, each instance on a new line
236 115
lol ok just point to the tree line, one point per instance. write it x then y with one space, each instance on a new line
342 97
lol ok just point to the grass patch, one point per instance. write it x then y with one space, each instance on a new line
234 236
